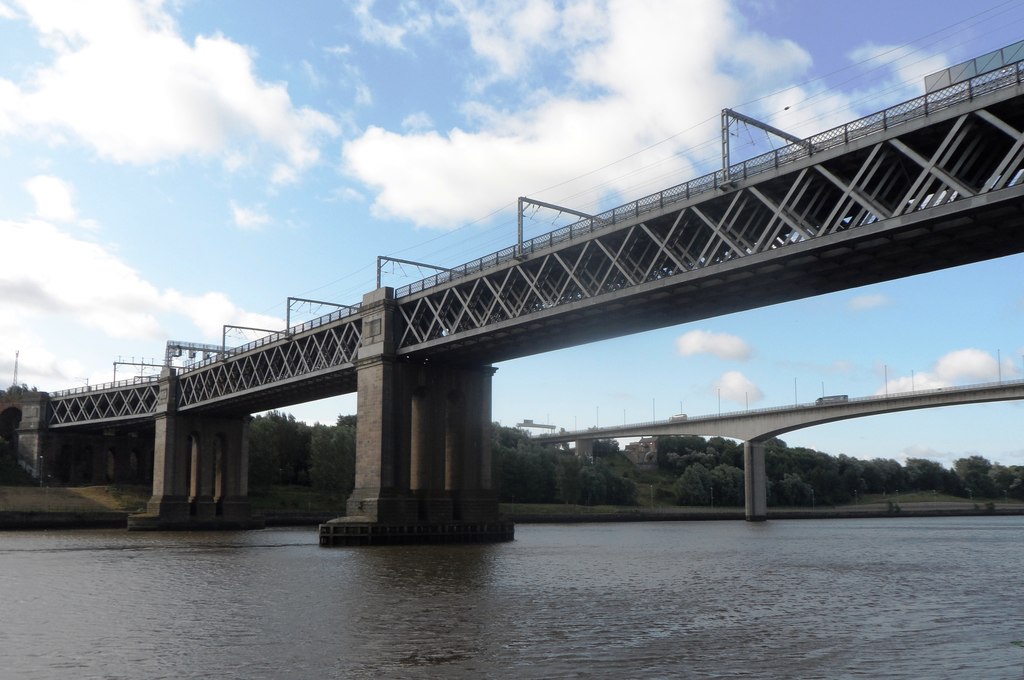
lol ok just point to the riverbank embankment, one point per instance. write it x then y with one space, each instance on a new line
38 508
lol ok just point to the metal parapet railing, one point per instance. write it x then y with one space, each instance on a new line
1008 76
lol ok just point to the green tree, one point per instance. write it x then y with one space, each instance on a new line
693 487
973 471
570 482
618 489
524 471
727 484
332 457
605 447
278 450
793 490
928 475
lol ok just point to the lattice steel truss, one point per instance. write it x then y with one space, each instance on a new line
933 162
328 349
954 154
128 400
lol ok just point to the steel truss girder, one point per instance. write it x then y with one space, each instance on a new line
904 171
330 348
121 403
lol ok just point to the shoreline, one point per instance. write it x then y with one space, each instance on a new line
22 520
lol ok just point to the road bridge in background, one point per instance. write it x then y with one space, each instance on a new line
755 426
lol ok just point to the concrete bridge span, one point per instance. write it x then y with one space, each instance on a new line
755 427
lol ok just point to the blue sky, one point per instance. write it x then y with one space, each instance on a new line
171 167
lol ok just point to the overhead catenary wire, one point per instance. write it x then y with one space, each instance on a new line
498 231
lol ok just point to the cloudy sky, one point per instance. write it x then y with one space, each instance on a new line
167 168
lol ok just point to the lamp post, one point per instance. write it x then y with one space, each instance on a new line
42 468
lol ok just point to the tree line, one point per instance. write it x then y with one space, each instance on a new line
698 470
284 451
712 469
690 470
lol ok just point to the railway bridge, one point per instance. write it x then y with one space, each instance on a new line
931 183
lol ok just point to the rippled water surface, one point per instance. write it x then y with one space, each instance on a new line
884 598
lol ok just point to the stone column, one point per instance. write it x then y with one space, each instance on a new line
427 464
468 445
202 472
381 492
755 482
231 492
35 450
170 460
585 450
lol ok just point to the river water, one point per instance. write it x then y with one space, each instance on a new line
921 598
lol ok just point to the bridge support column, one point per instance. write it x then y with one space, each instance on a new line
755 482
200 470
37 447
585 449
427 469
423 466
468 445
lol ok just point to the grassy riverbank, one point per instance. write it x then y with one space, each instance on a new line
301 505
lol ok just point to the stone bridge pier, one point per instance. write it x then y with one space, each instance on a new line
423 447
200 469
58 457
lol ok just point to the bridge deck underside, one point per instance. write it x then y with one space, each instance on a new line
939 194
279 394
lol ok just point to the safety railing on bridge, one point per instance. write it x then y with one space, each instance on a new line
120 384
899 114
194 365
312 324
880 398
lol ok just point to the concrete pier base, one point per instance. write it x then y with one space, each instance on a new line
359 531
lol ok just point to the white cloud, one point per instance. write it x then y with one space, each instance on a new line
967 364
722 345
54 198
36 364
964 366
929 453
417 121
864 302
210 312
249 218
412 20
507 34
738 388
898 67
58 276
125 83
6 12
611 88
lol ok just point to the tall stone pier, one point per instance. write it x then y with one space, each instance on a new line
200 469
423 447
